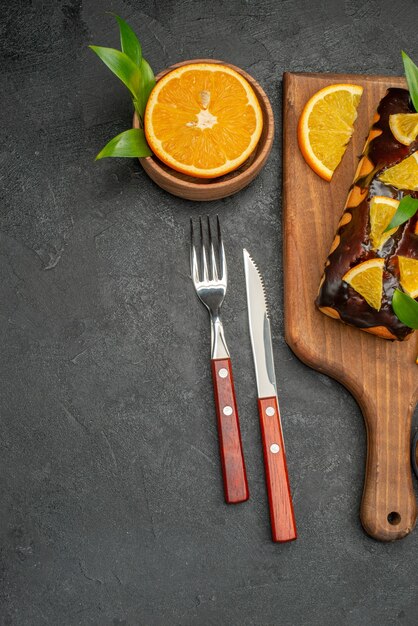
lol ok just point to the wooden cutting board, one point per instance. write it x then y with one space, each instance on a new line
381 375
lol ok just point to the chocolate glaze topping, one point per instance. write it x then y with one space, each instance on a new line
354 246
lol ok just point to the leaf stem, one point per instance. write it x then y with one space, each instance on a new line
137 107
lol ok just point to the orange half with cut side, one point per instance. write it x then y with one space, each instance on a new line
203 119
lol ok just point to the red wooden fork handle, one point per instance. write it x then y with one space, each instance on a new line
282 516
232 458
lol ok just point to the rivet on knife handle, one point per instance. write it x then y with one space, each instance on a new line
282 516
232 458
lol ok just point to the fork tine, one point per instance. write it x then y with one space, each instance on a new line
194 269
224 272
212 253
204 255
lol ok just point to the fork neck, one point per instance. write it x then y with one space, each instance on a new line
219 348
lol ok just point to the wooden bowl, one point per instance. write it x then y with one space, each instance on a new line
201 189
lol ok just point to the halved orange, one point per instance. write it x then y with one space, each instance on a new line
203 119
367 279
326 125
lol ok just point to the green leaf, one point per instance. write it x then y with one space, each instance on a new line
122 66
147 83
406 209
129 41
411 74
406 308
130 143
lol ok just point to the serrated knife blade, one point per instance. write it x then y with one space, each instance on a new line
260 331
282 515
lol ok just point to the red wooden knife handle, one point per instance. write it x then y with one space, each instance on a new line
282 516
232 458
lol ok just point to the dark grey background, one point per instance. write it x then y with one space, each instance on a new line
111 497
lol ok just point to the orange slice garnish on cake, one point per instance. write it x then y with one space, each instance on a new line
408 270
403 175
382 210
404 127
367 279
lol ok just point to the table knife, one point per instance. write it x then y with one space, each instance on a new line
282 515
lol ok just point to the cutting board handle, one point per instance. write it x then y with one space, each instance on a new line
388 508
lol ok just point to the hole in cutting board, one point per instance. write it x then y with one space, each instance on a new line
394 518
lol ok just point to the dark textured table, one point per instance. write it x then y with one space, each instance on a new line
111 496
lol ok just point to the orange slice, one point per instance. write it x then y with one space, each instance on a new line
408 269
382 210
203 119
404 127
404 175
326 125
367 279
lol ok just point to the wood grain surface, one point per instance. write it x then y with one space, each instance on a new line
381 375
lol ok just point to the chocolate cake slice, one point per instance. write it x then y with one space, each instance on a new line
352 244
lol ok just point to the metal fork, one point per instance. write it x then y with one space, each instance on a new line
210 282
